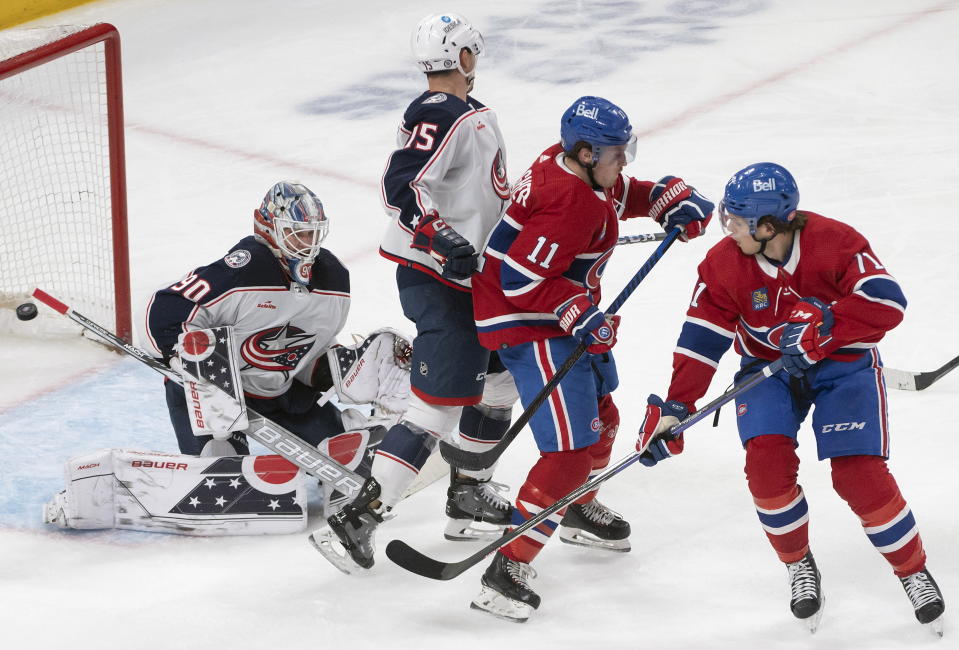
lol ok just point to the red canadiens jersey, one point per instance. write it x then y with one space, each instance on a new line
745 300
550 245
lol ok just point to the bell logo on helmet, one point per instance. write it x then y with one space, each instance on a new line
764 186
591 113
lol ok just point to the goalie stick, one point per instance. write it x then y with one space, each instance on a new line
907 380
463 459
412 560
262 429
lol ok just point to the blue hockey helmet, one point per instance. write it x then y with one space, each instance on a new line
601 124
292 222
759 190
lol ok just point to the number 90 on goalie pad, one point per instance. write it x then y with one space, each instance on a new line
375 370
211 382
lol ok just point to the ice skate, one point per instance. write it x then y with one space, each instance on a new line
476 509
506 593
595 526
806 598
348 542
926 599
54 511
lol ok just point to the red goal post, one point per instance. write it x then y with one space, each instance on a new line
63 203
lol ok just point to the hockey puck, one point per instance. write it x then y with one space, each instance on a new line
27 311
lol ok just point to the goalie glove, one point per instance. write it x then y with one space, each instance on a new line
211 382
375 370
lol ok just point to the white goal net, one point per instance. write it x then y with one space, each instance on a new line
62 187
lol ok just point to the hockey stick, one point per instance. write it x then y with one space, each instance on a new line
641 239
412 560
462 459
271 435
907 380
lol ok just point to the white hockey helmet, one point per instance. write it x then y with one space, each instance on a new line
437 40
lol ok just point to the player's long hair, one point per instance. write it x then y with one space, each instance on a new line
797 224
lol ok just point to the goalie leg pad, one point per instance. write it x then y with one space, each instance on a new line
172 493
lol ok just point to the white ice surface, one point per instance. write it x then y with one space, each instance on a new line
860 99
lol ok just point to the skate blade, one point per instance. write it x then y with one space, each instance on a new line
495 603
936 626
812 623
328 544
467 530
579 537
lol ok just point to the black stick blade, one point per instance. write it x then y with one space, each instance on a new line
926 379
407 557
462 459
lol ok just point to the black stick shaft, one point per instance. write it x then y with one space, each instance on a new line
463 459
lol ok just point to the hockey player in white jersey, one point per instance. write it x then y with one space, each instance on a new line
443 188
284 298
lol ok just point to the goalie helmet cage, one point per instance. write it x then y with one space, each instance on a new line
62 177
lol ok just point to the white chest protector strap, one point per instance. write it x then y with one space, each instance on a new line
172 493
375 370
211 381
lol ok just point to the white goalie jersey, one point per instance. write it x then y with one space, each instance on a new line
282 328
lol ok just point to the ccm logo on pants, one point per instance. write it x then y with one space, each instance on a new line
843 426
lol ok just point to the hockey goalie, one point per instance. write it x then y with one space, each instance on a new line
234 494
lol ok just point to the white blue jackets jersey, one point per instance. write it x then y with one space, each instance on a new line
451 158
281 327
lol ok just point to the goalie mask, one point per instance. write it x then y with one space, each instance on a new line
291 221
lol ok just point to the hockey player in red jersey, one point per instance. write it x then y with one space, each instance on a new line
794 284
536 300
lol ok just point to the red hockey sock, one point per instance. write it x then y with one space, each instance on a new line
555 475
601 449
866 484
772 470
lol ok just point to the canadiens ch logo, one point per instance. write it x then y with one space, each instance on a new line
279 349
760 298
595 272
238 258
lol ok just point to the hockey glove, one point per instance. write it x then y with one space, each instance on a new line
579 318
654 434
435 237
673 203
806 333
